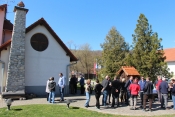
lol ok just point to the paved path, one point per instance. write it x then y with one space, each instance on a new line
79 101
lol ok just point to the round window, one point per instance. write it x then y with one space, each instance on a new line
39 42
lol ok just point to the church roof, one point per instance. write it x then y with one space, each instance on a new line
3 6
128 71
8 25
4 45
46 25
170 54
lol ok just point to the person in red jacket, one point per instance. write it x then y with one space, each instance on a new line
134 88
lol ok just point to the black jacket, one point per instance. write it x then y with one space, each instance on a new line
173 90
148 88
163 87
128 82
52 85
98 88
116 85
123 86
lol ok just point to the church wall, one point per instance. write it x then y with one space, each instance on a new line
5 58
39 66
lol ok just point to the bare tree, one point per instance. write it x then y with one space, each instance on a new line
69 43
86 58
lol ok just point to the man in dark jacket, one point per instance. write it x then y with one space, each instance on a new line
82 84
52 86
163 88
116 85
142 84
148 94
128 93
72 90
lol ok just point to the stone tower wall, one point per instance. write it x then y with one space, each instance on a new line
16 66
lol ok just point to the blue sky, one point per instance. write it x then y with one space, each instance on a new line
78 22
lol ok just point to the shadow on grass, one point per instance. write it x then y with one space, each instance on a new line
75 107
19 109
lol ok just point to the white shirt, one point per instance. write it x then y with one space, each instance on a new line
61 81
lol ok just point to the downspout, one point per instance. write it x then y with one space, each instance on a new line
67 69
3 66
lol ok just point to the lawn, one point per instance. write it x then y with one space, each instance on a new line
50 110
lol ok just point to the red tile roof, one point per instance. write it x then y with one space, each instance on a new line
46 25
128 70
5 45
170 54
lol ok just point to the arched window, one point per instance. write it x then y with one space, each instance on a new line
39 42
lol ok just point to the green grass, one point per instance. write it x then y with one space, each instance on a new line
49 110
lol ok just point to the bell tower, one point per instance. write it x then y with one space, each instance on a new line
16 66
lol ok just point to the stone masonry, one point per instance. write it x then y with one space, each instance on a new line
16 66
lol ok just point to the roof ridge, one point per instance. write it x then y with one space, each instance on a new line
41 21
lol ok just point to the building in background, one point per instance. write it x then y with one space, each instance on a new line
170 59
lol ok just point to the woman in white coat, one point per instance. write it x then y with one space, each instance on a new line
47 88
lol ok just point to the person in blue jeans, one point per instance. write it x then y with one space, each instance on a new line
173 93
128 93
87 90
105 84
142 84
52 86
61 84
163 88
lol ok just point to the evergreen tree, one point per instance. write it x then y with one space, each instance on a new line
147 55
114 52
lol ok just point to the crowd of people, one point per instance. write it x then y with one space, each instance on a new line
129 91
121 90
73 84
51 87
